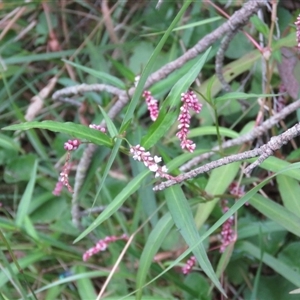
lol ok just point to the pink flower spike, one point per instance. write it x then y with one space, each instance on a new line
102 245
63 179
189 265
297 23
152 105
190 101
139 153
228 235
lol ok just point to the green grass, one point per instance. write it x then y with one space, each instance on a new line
43 237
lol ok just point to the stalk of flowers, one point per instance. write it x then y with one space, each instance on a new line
187 268
139 153
152 105
297 23
236 190
280 101
102 245
228 235
189 101
63 179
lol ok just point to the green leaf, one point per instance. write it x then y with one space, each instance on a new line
24 262
133 186
240 95
149 66
27 59
228 214
289 191
183 219
277 213
110 161
190 25
170 107
109 123
8 143
84 285
209 130
12 173
107 78
218 182
154 241
75 130
275 164
27 196
278 266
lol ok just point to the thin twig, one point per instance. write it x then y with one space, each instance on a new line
239 17
263 152
220 59
255 133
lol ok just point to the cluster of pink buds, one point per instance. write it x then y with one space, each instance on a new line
63 179
98 127
152 105
187 268
70 145
102 245
228 235
236 190
139 153
297 23
190 101
280 101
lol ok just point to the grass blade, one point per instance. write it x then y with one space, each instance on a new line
75 130
183 219
154 241
133 186
27 196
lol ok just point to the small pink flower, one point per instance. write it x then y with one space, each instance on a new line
139 153
152 105
190 101
189 265
102 245
297 23
63 179
228 235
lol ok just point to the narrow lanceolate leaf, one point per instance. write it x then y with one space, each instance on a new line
26 198
75 130
154 241
277 213
278 266
183 219
289 191
149 66
133 186
107 78
170 108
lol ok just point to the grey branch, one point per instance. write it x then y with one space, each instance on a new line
235 21
83 88
255 133
263 152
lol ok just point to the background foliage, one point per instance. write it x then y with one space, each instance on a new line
81 42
